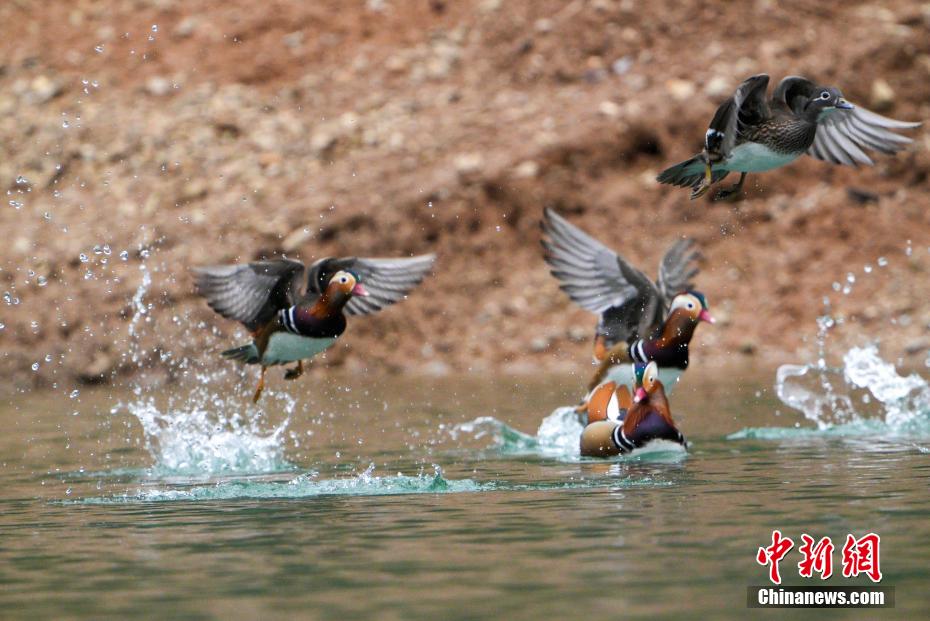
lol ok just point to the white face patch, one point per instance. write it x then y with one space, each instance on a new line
649 376
686 302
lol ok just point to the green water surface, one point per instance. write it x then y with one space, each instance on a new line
374 508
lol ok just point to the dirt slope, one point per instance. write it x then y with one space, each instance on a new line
176 136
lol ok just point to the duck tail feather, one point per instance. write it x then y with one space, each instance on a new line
247 354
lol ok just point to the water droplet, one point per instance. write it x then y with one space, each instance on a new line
837 286
35 366
21 180
850 278
48 357
99 49
15 204
68 491
124 255
882 261
2 325
8 298
74 394
83 257
154 27
47 216
41 281
867 269
65 124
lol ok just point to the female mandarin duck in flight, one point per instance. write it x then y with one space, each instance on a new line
618 424
749 134
639 320
291 317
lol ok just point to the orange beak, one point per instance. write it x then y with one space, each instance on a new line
358 289
640 395
706 316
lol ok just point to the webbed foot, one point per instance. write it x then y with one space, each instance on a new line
292 374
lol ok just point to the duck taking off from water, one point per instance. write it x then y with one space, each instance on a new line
751 134
640 320
620 424
292 317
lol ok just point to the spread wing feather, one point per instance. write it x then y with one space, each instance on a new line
593 275
677 270
843 135
251 293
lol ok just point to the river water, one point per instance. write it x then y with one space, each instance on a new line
425 498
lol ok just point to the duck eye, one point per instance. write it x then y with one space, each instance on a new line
343 280
825 95
690 305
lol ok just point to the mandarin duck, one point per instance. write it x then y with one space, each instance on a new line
292 317
640 320
750 134
619 424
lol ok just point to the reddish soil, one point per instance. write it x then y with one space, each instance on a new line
229 132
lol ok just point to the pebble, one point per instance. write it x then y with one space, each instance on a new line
43 89
882 97
609 109
718 87
468 165
526 170
680 89
297 238
158 86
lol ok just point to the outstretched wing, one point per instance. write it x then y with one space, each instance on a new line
844 135
601 281
387 280
593 275
747 107
677 270
250 293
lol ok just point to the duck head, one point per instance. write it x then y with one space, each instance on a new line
824 101
342 286
688 309
647 380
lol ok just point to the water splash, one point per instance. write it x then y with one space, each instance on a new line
206 434
556 438
200 430
865 389
864 395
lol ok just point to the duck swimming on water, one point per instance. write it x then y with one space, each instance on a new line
619 424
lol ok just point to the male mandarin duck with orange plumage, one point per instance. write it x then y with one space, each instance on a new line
619 424
640 320
293 318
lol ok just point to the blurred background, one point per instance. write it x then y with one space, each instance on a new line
140 138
